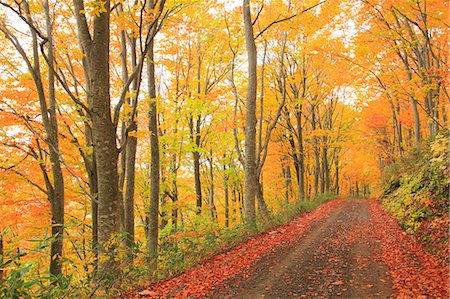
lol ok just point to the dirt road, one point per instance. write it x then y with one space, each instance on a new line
346 248
335 259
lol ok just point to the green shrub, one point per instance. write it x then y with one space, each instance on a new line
416 190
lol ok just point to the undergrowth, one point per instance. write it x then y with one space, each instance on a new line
416 192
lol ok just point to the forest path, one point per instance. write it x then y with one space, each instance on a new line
336 258
346 248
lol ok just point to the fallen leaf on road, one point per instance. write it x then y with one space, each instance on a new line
147 293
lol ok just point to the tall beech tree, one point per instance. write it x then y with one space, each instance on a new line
154 156
95 47
250 118
54 183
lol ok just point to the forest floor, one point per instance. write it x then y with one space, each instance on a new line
346 248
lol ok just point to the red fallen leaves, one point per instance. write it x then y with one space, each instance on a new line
438 230
202 280
415 272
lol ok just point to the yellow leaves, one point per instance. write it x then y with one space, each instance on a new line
35 8
426 201
94 8
126 111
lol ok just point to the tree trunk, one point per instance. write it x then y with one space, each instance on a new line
336 178
195 138
174 203
212 207
51 128
1 258
250 123
300 154
93 189
96 51
130 175
262 207
104 134
130 170
226 197
326 169
153 229
286 170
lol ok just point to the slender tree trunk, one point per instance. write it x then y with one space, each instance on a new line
153 229
316 152
123 133
226 197
326 169
300 154
195 137
54 181
235 204
212 207
174 203
1 258
241 202
336 178
130 170
130 174
251 179
286 170
57 205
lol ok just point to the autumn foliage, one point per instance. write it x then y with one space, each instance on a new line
123 131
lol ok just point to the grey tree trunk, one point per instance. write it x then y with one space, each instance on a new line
226 197
286 173
174 193
250 123
300 155
212 207
325 169
123 133
336 178
93 188
1 258
262 206
153 229
54 182
104 133
130 175
96 51
195 138
51 127
316 152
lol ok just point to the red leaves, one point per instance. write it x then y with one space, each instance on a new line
201 281
415 272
